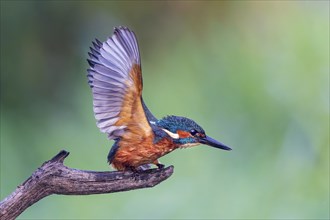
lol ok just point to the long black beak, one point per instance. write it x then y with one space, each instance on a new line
213 143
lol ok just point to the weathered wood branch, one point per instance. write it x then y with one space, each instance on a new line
55 178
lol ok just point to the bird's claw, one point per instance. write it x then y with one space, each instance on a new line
160 166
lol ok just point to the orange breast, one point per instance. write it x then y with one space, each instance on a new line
144 152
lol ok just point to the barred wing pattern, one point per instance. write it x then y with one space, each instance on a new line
116 80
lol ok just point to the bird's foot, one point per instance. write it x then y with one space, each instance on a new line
160 166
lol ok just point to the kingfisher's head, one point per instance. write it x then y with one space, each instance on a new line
187 133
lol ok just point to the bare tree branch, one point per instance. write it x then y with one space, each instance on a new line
55 178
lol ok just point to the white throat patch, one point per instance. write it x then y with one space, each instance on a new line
172 135
189 145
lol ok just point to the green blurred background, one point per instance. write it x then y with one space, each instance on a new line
254 74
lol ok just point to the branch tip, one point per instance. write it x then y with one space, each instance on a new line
60 156
169 169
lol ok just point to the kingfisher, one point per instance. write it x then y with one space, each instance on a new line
140 139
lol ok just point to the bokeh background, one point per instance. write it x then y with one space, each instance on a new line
254 74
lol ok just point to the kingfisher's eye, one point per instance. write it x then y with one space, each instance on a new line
193 132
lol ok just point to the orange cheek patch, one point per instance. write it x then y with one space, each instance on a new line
183 134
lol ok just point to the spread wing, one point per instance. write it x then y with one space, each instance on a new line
116 80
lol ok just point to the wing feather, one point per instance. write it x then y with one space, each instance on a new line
116 80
